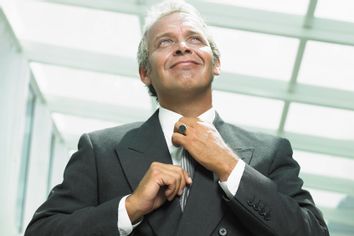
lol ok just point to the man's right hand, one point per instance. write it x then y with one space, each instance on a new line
160 183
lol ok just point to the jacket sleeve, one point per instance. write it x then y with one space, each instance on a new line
274 203
72 207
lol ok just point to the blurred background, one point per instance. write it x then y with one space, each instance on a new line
68 67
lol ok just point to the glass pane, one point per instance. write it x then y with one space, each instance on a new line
255 54
26 148
320 121
80 28
73 125
328 65
298 7
338 10
327 199
246 110
91 86
320 164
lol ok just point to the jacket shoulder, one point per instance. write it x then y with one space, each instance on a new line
113 135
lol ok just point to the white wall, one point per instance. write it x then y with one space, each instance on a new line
14 78
39 161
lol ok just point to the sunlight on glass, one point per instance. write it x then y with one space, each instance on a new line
320 121
91 86
249 111
328 65
256 54
298 7
80 28
342 10
75 125
327 199
320 164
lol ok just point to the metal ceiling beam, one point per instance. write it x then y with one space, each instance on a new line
96 110
275 89
316 144
228 82
120 114
342 216
243 19
296 67
330 184
329 146
79 59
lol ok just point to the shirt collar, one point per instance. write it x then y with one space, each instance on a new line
168 119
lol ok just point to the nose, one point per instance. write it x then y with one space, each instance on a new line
182 49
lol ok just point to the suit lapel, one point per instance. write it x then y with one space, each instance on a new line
136 151
204 208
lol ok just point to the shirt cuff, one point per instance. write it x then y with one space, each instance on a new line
125 227
230 186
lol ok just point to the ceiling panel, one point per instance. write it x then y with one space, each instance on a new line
326 165
247 110
91 86
71 127
76 27
298 7
326 198
320 121
255 54
328 65
342 10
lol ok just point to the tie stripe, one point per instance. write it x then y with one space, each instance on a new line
187 163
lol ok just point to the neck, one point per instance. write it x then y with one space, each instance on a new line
188 106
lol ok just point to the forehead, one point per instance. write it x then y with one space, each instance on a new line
175 22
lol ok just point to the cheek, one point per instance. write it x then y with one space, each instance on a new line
206 49
205 53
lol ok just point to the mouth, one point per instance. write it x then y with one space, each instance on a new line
185 63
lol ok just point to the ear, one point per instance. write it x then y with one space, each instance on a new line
217 67
144 76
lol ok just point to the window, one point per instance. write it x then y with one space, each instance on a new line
26 149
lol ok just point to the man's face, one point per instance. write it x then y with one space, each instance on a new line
180 57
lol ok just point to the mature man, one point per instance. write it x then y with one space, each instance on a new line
184 171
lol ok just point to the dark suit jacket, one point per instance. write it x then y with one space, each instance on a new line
110 163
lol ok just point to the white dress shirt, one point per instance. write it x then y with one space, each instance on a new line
167 120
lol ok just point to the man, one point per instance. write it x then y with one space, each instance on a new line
184 171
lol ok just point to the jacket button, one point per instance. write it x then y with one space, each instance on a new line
222 231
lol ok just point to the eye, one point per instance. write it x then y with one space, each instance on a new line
196 40
165 42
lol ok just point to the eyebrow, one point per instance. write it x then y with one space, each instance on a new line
169 34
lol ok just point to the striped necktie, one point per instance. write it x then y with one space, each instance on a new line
187 163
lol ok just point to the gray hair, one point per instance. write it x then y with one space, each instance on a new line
157 12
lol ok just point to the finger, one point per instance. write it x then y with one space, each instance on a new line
181 128
187 178
178 139
186 181
173 178
191 121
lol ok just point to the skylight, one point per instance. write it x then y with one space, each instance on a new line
328 65
298 7
78 27
342 10
320 121
247 110
256 54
